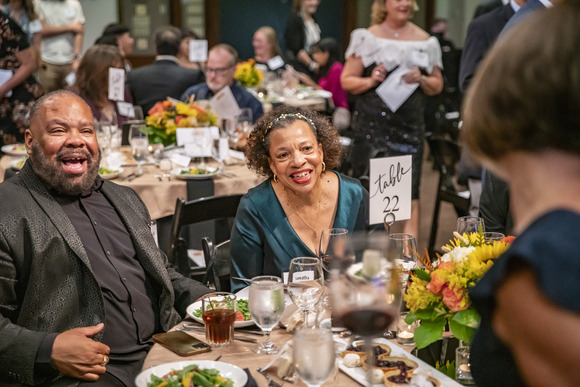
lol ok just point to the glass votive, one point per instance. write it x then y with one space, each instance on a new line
463 367
405 332
490 237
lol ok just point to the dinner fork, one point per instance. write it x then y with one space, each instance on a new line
271 382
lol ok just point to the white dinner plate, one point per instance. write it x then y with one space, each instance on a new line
14 150
211 171
197 305
227 370
112 175
18 163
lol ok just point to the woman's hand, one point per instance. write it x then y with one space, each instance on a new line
413 76
379 74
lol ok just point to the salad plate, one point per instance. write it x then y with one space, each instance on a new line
196 173
194 310
14 150
235 373
18 163
108 174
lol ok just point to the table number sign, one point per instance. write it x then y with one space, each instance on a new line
390 188
198 50
116 84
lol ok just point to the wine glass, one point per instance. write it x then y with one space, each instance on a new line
469 224
266 303
112 125
138 113
314 355
244 122
334 245
305 283
103 137
366 296
139 145
403 250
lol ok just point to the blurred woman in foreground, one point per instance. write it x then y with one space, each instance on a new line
521 120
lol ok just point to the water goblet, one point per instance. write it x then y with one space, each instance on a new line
139 145
112 125
305 283
103 137
314 355
469 224
266 303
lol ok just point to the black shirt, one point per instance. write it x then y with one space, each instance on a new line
131 312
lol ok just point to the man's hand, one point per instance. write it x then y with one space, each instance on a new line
75 354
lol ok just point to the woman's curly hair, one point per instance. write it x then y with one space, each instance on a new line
258 147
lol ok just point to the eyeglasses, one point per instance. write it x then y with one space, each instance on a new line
219 70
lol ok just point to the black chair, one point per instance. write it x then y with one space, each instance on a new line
219 208
217 264
446 154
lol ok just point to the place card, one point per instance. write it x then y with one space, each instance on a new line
116 84
275 63
189 135
126 109
394 91
390 188
180 160
224 104
300 276
198 50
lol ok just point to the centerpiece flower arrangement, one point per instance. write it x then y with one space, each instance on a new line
247 73
438 294
166 116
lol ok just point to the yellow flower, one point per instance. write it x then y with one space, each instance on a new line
418 297
185 110
489 251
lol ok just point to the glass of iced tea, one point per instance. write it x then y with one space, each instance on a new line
219 315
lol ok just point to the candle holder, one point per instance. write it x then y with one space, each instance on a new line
463 367
405 332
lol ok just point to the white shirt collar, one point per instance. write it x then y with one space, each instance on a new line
514 5
547 3
167 57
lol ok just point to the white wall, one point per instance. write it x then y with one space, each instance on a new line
98 13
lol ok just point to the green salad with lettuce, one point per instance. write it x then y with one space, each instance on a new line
191 376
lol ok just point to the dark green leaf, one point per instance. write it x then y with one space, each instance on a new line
423 275
429 332
468 317
462 332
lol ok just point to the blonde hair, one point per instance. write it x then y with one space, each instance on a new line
270 35
379 11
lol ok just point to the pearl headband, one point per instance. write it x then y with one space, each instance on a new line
300 116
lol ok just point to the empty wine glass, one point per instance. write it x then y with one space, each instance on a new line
334 244
314 355
266 303
139 145
403 250
366 299
305 283
469 224
112 125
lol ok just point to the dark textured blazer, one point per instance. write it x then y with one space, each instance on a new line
46 281
159 80
481 34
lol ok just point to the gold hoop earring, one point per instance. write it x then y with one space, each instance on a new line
323 167
275 178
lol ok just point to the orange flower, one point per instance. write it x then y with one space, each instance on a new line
438 281
508 239
453 299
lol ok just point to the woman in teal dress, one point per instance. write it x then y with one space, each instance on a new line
283 217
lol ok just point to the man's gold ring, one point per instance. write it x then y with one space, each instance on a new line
105 360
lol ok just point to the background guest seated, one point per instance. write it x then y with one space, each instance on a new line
521 120
326 54
165 77
221 67
266 46
92 81
283 217
83 286
183 54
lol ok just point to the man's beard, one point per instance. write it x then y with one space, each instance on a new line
51 171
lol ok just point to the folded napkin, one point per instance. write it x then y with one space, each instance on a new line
251 381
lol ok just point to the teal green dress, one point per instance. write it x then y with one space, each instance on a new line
263 241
